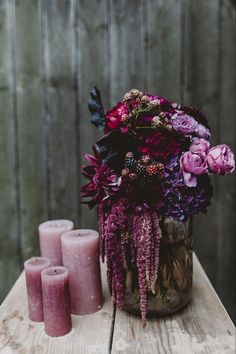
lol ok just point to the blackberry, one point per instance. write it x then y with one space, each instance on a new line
125 172
141 183
127 97
145 159
135 93
156 122
129 162
132 176
129 154
155 170
145 100
124 118
152 169
140 169
169 127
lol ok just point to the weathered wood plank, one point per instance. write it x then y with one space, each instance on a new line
226 221
9 197
90 334
126 47
30 122
164 50
60 118
202 327
201 89
92 64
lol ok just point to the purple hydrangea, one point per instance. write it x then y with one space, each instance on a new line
181 202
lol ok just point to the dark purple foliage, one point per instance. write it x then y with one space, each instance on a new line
95 106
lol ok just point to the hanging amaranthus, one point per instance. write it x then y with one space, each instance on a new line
145 244
113 230
144 235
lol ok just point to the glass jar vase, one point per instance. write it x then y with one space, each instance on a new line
174 281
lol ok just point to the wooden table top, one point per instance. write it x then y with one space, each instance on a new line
202 327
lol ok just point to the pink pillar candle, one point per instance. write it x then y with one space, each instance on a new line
50 239
33 268
56 301
80 253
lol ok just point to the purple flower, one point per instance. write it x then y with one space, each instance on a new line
180 201
103 181
196 114
114 116
184 123
203 132
192 165
220 160
200 146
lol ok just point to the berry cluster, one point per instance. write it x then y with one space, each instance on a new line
141 172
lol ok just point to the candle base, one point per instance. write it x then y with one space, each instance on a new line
56 304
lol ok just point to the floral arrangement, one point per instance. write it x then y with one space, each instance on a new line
154 161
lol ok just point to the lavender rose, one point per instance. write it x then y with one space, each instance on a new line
200 146
192 165
184 123
220 160
202 132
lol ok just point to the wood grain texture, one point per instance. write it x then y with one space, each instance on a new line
164 48
126 47
59 65
202 327
226 203
201 89
92 67
9 182
29 97
52 53
90 334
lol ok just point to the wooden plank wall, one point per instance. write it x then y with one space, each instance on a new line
52 53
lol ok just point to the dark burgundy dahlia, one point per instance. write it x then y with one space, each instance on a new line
116 115
160 144
104 183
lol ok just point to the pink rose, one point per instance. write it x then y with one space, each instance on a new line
200 147
192 165
220 159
